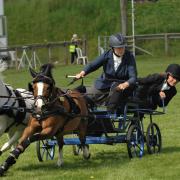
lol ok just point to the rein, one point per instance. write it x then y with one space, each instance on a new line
17 112
60 109
13 97
50 107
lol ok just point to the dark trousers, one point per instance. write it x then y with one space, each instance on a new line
97 95
118 98
112 97
73 57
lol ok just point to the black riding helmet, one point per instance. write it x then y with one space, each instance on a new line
174 70
117 40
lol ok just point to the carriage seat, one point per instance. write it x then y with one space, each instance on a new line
145 105
100 123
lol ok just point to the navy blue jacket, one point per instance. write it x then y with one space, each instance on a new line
126 70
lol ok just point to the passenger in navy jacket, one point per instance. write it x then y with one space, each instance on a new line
119 72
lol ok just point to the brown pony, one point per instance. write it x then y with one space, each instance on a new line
55 114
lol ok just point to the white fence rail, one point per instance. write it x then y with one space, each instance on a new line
103 41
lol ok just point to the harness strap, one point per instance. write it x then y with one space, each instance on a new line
20 115
7 111
45 114
10 94
74 109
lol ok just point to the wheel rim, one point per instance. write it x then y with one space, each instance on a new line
45 150
153 139
135 142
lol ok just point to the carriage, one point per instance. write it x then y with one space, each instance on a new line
126 126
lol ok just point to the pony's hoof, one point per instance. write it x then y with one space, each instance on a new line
87 157
76 150
60 164
1 171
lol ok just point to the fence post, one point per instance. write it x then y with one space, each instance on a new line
99 45
85 46
66 53
16 58
166 44
49 53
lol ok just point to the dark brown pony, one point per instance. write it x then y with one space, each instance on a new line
55 114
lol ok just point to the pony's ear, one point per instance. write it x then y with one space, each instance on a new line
33 73
46 69
46 72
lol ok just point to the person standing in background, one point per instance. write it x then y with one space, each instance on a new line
73 46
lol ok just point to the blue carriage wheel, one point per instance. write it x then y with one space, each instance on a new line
135 142
153 139
45 150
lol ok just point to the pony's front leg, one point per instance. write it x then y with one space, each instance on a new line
85 149
12 140
18 150
60 142
3 126
82 137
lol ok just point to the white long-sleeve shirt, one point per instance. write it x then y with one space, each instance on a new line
117 61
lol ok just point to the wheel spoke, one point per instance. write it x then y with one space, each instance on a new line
136 149
153 138
50 153
136 142
43 151
137 145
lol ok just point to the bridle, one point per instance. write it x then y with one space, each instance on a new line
45 99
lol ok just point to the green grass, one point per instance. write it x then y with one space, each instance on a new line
107 162
40 21
56 20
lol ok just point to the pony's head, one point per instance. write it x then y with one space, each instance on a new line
42 85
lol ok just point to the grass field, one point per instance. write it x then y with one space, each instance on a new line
52 21
107 162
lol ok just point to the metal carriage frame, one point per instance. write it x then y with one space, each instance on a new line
106 128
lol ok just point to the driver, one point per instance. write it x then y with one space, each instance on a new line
118 65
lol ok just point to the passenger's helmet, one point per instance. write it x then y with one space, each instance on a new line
174 70
117 40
